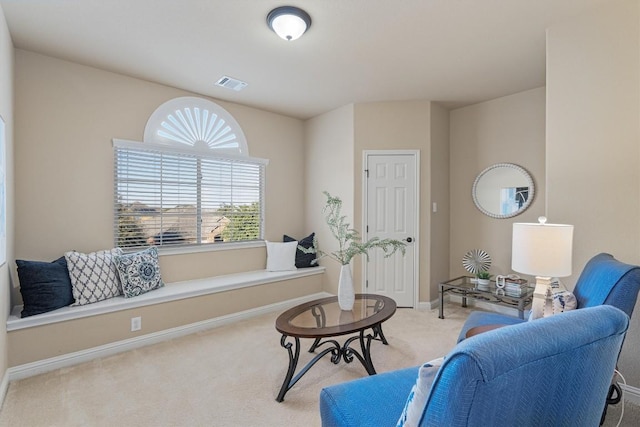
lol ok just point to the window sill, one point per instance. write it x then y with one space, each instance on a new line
170 292
168 250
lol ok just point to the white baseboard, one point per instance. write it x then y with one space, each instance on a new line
422 305
431 305
4 387
66 360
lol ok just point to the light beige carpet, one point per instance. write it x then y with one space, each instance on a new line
228 376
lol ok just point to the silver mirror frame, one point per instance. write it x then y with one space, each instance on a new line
524 207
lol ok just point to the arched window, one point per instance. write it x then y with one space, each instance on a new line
196 122
190 183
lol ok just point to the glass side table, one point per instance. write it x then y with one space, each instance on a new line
463 286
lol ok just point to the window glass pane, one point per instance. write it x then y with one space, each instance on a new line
167 198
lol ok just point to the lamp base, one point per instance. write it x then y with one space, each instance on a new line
539 297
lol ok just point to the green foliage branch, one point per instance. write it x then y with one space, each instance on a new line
244 222
349 242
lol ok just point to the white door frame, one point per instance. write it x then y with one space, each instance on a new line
417 237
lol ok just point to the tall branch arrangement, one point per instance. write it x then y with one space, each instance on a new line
349 241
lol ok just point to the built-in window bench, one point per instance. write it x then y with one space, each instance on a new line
170 292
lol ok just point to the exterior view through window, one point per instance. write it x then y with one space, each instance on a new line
191 182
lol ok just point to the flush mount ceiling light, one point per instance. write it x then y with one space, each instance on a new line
288 22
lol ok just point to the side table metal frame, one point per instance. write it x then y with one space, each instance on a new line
504 300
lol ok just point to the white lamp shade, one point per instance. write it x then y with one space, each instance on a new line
289 27
542 249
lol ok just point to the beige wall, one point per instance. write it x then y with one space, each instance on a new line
504 130
335 142
329 166
592 130
6 112
396 125
593 141
440 194
66 117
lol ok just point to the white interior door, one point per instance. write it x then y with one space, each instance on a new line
391 211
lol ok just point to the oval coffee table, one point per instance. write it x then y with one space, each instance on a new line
321 320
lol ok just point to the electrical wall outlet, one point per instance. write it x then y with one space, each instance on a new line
136 324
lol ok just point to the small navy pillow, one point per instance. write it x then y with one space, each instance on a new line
45 286
303 260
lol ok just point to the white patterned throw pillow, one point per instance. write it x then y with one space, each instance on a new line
93 276
557 300
139 272
414 407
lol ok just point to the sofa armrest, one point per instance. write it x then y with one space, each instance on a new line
384 395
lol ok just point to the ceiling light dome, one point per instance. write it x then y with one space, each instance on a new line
288 22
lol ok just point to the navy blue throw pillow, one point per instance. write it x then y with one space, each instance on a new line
303 260
45 286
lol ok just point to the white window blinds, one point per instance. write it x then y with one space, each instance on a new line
167 196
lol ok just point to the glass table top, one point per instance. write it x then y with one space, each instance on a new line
323 317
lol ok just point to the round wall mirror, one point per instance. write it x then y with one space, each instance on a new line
503 190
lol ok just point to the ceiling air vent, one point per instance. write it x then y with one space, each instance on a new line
231 83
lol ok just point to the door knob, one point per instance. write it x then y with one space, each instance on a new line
408 240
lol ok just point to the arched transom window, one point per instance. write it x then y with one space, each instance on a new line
196 122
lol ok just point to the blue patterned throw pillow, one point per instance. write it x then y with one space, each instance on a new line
139 272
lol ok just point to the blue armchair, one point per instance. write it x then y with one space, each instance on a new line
604 280
554 371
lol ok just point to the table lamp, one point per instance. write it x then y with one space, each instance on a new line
542 250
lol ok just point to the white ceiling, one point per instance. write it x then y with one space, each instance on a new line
453 51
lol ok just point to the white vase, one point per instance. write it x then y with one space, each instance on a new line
346 293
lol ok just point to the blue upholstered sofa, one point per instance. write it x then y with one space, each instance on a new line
550 372
531 373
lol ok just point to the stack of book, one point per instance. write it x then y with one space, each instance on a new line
515 287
